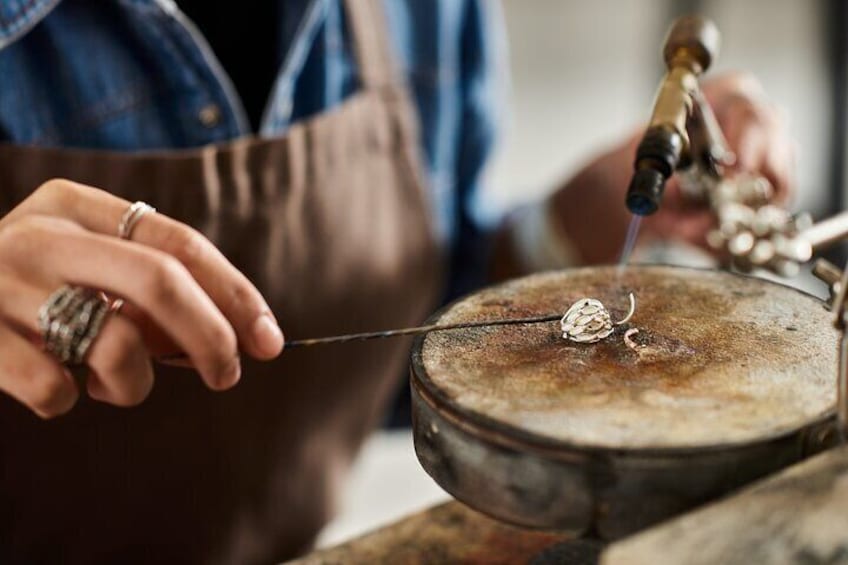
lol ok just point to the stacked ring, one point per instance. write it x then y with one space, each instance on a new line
129 219
70 320
133 214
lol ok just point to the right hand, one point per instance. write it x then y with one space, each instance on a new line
591 205
181 293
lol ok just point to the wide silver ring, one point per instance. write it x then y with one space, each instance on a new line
131 216
70 321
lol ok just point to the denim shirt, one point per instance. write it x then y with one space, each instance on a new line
133 75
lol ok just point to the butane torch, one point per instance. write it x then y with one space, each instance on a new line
684 136
750 230
690 47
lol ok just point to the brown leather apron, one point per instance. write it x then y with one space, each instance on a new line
331 223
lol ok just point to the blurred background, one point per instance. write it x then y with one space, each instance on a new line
583 75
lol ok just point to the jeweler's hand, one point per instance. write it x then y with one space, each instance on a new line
591 206
181 295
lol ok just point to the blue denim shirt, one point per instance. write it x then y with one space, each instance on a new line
136 74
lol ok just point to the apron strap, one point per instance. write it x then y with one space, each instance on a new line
371 42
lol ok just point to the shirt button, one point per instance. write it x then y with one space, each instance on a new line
210 115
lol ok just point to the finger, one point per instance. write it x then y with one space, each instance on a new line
121 372
160 347
779 168
747 131
154 281
242 304
750 147
20 309
733 83
120 364
768 153
32 378
19 313
675 200
756 132
158 342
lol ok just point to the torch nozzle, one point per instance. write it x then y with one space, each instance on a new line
656 158
645 191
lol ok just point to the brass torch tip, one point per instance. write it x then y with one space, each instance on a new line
645 191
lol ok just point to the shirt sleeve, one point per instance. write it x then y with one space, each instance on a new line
484 72
483 91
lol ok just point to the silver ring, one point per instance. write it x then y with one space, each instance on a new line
70 321
115 304
131 216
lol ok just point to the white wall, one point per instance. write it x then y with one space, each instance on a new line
782 42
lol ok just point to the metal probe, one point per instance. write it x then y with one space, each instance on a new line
417 330
837 281
585 322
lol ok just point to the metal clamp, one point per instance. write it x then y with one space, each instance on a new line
837 281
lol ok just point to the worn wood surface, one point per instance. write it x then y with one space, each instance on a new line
799 516
451 533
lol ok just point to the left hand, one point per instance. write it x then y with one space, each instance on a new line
591 206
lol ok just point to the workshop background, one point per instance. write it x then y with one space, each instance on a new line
583 75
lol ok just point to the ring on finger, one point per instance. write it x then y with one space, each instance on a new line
131 216
115 304
70 321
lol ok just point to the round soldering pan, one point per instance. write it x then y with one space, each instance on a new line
731 378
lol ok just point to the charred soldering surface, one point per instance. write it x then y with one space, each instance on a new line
731 378
722 358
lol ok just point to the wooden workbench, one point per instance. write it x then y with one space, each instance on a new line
452 533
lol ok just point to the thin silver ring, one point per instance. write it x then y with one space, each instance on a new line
132 215
115 304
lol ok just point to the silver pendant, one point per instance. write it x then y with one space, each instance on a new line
588 320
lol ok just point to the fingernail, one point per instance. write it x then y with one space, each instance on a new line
230 375
182 361
267 335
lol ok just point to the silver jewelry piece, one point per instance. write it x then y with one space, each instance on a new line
133 214
70 320
115 304
628 341
588 320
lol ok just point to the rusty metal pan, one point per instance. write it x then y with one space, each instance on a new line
730 378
